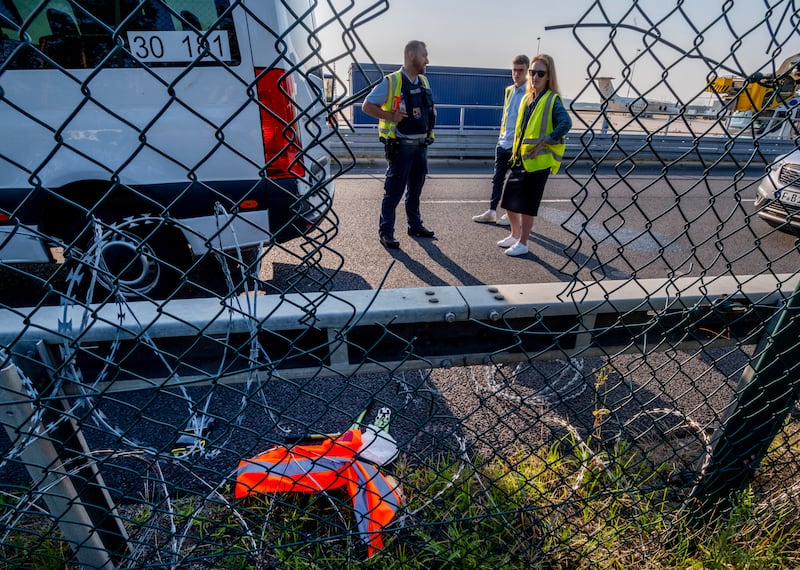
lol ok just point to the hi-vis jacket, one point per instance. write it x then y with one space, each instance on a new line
509 93
330 464
422 103
539 127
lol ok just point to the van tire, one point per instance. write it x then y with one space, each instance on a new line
138 258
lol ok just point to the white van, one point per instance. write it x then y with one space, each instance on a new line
138 135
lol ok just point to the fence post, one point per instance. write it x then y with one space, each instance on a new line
763 399
56 457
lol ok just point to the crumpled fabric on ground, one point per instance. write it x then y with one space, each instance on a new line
330 464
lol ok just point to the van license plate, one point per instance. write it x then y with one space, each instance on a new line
172 47
789 197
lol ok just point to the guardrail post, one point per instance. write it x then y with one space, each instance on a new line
763 399
56 457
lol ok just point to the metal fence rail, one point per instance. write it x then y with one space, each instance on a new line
165 405
590 146
439 327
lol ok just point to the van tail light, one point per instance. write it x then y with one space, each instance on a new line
275 90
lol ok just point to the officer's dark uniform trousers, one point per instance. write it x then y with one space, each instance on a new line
406 172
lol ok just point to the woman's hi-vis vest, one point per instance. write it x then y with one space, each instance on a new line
538 129
387 129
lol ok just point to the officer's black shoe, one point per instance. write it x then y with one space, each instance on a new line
421 232
390 242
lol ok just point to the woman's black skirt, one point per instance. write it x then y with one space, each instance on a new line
523 191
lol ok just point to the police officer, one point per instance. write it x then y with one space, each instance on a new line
403 105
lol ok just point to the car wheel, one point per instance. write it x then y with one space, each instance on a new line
137 258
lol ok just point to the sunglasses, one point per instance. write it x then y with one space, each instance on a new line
539 72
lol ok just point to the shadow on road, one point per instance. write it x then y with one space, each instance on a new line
573 256
421 270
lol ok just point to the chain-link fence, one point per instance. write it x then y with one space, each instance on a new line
165 405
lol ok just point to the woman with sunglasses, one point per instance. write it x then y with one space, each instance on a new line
542 124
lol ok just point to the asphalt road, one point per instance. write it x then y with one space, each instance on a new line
591 226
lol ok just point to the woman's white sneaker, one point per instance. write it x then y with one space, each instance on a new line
507 242
517 249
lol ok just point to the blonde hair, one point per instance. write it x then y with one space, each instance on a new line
552 79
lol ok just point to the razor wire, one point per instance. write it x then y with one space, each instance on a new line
551 459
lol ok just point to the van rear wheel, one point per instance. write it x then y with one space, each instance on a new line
135 258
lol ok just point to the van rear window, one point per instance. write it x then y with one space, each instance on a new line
86 34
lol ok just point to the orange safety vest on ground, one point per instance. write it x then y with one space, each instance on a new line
330 464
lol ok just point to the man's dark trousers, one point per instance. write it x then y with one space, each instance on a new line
408 166
502 159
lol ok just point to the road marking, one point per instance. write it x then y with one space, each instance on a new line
552 200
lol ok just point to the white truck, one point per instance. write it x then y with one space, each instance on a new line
140 135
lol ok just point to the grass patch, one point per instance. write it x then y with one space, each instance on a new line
566 506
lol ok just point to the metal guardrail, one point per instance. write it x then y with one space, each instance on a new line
588 145
446 326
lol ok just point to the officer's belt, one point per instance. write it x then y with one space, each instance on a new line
411 141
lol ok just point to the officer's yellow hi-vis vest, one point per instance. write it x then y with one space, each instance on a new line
387 129
539 127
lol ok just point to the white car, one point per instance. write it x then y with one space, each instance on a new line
138 135
778 196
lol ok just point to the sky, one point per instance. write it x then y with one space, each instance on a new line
738 34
